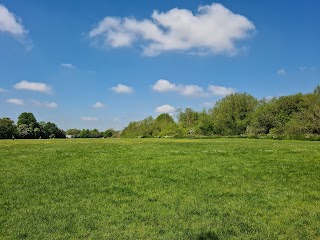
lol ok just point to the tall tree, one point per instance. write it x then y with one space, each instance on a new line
7 128
28 119
232 114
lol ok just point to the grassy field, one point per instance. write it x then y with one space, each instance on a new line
159 189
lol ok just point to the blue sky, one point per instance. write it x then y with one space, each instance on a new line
101 64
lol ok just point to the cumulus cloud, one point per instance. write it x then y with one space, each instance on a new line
165 109
68 66
213 29
89 119
45 104
98 105
281 72
33 86
122 89
163 85
15 101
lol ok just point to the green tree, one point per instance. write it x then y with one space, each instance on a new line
206 125
95 133
109 133
25 131
7 128
163 125
188 118
74 132
85 133
232 114
27 119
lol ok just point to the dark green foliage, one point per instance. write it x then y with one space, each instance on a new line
27 119
7 128
109 133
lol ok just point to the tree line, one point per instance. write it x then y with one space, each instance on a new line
28 127
240 114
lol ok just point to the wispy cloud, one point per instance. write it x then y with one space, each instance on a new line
68 66
45 104
15 101
165 109
12 24
98 105
307 68
214 29
2 90
33 86
122 89
281 72
163 85
89 119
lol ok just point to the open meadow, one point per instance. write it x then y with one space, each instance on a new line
159 189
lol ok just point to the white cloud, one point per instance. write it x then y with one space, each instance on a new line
165 109
67 66
45 104
33 86
2 90
214 29
220 91
163 85
98 105
89 119
10 23
15 101
122 89
281 72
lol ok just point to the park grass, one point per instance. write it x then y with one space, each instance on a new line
159 189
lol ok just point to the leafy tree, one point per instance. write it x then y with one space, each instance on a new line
142 128
109 133
51 130
25 131
85 133
7 128
95 133
232 114
263 119
188 118
27 119
74 132
163 125
206 125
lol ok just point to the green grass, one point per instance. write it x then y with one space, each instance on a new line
159 189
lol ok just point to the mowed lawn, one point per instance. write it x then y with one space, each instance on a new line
159 189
